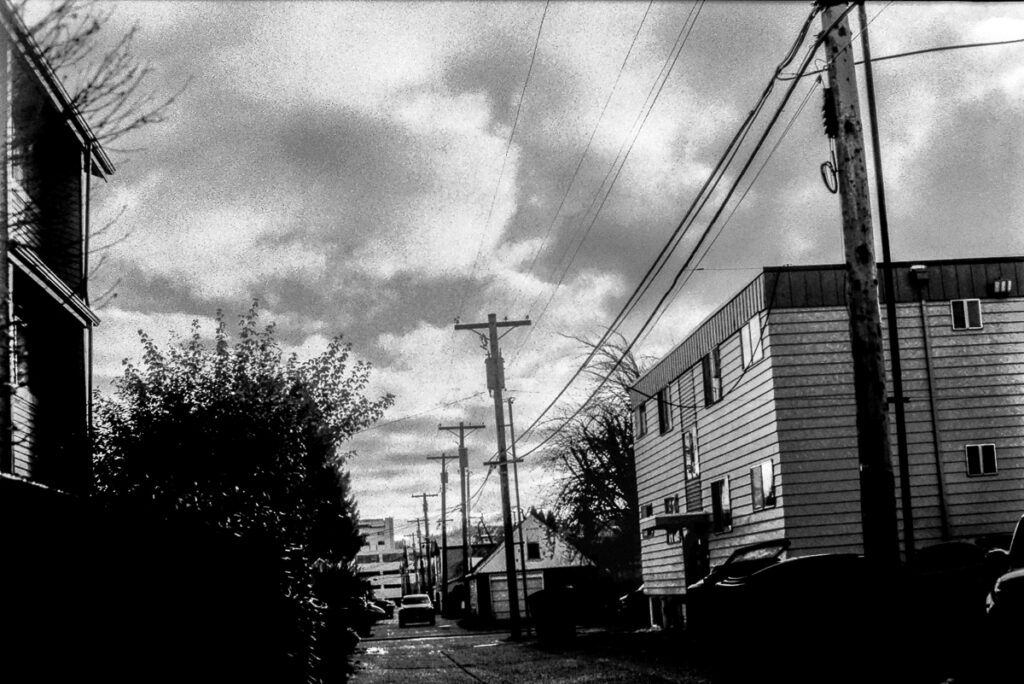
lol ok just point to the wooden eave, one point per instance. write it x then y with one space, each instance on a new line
22 40
29 262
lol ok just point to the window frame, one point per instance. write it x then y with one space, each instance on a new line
965 305
674 536
664 410
641 420
647 510
691 459
752 341
530 548
721 506
981 471
711 368
761 499
671 504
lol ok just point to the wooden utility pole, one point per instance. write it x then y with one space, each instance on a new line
519 510
895 364
418 558
496 383
464 493
877 484
444 532
426 534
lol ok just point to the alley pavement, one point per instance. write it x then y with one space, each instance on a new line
448 652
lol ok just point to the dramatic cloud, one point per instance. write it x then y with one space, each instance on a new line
349 165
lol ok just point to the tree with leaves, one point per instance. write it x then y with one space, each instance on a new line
235 437
595 497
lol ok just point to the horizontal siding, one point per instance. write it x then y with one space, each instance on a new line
978 376
23 411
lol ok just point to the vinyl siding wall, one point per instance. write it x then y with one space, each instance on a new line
660 474
976 379
735 434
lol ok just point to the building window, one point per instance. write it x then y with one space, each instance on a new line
672 504
712 367
673 537
648 510
664 411
981 459
690 464
532 550
752 342
649 533
762 485
641 420
966 314
721 506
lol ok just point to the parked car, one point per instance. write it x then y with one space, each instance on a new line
387 606
803 615
741 563
1005 603
416 608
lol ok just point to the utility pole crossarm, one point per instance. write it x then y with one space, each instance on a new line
486 326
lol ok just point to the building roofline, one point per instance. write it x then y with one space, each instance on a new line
100 164
752 298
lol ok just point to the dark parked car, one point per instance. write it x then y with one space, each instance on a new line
416 608
1005 604
800 617
387 606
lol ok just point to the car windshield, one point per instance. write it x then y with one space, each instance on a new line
415 600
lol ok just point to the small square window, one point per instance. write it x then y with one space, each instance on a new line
711 365
673 537
981 459
532 550
966 314
721 506
648 510
664 411
672 504
691 464
649 533
752 341
641 420
762 485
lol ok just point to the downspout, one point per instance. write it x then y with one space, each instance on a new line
6 320
946 528
87 229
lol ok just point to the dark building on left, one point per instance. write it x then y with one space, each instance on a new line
51 159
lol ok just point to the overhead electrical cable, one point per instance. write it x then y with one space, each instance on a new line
696 249
586 150
615 169
718 233
504 161
667 250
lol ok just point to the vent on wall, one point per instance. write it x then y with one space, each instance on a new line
1002 286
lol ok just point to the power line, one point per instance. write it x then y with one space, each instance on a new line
504 161
806 62
586 149
623 155
419 413
676 237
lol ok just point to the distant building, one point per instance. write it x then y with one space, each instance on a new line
746 430
381 561
551 561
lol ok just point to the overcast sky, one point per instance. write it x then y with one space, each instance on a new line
349 166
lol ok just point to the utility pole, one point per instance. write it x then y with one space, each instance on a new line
519 510
877 484
444 532
496 383
417 557
895 365
426 533
464 493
